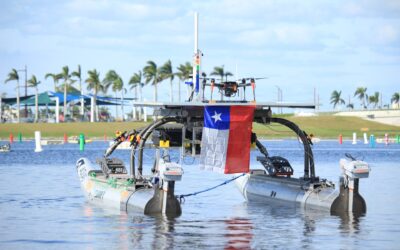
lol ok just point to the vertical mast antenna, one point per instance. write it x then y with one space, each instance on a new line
197 61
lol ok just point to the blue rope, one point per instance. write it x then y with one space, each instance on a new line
182 196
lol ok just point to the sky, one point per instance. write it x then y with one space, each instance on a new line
299 45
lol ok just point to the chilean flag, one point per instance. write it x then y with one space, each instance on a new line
225 143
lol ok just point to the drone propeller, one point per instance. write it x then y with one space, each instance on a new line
251 78
231 88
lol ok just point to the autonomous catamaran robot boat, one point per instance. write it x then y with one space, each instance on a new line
182 125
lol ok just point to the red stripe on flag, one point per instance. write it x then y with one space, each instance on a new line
238 154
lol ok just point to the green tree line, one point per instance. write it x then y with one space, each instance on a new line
366 101
151 74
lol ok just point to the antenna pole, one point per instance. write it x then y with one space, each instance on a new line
196 32
197 84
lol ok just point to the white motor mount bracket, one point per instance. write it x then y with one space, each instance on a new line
170 171
355 169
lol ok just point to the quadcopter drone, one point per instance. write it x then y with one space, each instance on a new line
231 88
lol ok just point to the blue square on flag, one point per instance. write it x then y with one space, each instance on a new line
225 143
217 117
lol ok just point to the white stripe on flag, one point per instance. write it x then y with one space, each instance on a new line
214 145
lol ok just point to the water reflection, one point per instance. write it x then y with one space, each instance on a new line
254 225
135 230
122 227
350 223
347 222
283 220
163 233
239 233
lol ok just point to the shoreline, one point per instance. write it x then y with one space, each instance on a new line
324 127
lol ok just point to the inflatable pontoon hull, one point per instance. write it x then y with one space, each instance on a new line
124 195
258 186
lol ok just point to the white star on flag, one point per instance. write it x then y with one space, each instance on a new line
216 116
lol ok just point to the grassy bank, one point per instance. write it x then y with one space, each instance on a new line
328 127
325 126
53 130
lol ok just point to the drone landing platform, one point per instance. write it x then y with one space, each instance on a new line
258 105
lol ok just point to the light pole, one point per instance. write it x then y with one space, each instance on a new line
279 96
26 88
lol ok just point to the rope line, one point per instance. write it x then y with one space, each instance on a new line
181 197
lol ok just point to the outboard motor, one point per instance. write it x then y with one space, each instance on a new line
276 165
349 198
164 199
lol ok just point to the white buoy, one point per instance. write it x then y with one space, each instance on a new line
354 138
386 139
38 145
365 138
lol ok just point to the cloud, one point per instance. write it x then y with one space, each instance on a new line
126 10
388 34
294 40
282 36
352 9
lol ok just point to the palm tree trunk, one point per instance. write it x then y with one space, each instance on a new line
222 96
82 100
1 110
95 105
36 106
18 106
122 104
155 92
134 107
363 102
170 91
188 91
65 100
116 107
141 100
179 90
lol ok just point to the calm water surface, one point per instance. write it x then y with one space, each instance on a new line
42 206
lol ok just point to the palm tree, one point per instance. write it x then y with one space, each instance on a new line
67 78
219 71
70 89
350 105
56 78
113 80
184 71
136 80
152 74
361 93
78 74
166 72
33 82
94 83
336 98
395 98
13 76
374 99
